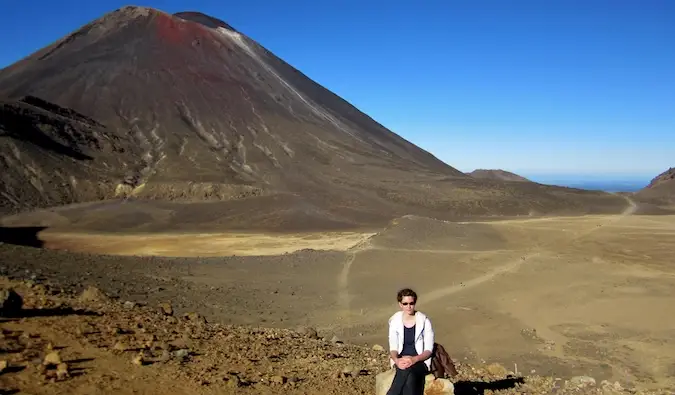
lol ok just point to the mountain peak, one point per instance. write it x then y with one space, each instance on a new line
203 19
183 107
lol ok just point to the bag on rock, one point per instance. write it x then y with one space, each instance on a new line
441 363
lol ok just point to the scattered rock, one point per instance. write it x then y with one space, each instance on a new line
349 371
278 379
581 381
247 359
166 309
120 347
233 381
93 294
609 386
432 385
165 356
62 371
138 359
181 354
53 358
308 332
195 317
497 370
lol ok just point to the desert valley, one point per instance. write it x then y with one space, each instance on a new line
184 212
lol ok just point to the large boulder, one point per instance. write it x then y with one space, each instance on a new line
432 385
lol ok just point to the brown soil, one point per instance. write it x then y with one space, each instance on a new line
563 297
63 343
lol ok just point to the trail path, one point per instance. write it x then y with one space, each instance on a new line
509 267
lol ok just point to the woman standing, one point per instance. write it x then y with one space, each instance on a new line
411 341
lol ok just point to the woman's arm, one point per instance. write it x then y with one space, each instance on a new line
422 357
428 342
393 354
393 340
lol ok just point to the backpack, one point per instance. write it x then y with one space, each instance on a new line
441 364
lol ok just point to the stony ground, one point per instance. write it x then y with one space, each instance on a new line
61 341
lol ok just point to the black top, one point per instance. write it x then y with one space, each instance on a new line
408 342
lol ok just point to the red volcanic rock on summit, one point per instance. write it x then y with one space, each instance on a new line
186 107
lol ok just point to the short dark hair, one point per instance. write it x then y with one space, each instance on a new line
406 292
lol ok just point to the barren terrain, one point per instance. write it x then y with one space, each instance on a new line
556 296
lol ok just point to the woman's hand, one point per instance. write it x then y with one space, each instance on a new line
405 362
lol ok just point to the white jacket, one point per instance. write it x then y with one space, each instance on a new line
424 335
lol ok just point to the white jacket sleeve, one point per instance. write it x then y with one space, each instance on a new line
428 336
393 337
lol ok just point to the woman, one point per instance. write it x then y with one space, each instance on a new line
411 341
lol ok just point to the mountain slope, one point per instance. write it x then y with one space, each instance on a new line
198 111
497 174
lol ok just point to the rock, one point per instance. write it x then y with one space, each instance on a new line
166 309
497 370
62 371
53 358
581 381
432 385
377 347
278 379
181 354
119 347
3 365
609 386
335 339
195 317
308 332
129 305
233 381
165 357
10 302
138 359
93 294
349 371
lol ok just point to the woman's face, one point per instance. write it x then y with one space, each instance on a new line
407 304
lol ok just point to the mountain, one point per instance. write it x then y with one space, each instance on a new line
496 174
661 189
144 106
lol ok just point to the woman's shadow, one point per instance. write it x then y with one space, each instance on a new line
479 387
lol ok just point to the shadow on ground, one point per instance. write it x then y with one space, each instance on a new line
479 387
55 312
22 235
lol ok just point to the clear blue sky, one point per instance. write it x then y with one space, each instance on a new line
560 86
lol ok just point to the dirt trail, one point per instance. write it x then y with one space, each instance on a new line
509 267
516 263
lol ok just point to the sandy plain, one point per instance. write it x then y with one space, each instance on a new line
560 296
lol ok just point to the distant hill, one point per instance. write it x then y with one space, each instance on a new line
496 174
661 189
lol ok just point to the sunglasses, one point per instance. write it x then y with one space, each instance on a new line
408 303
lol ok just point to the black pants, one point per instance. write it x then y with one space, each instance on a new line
409 381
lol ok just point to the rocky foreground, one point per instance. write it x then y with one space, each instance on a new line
55 341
